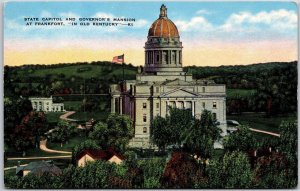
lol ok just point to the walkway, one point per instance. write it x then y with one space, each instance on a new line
43 147
66 115
265 132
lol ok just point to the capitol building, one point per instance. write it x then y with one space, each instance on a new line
162 83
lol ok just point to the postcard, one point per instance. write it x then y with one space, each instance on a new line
170 94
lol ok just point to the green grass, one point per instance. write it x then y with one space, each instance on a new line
239 93
261 136
84 116
53 117
260 121
66 147
72 105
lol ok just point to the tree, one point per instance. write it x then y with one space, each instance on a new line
153 170
232 172
200 137
272 172
160 132
168 131
116 133
288 146
242 140
62 132
179 121
26 135
182 171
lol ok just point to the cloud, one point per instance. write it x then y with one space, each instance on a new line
103 15
203 12
195 23
46 14
141 23
281 19
69 15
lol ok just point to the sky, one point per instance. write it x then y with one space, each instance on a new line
212 33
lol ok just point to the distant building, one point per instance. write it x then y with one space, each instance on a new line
46 104
91 155
38 168
163 84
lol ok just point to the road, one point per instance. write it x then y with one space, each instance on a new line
265 132
43 146
66 115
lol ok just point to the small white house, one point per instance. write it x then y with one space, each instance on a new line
46 104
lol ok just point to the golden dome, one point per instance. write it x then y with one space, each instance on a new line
163 27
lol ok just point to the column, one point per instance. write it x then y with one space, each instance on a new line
169 56
177 57
193 108
183 104
121 104
180 57
113 105
153 58
167 107
160 57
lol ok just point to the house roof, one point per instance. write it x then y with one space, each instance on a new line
99 154
39 168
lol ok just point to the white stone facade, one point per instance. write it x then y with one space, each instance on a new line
46 104
163 84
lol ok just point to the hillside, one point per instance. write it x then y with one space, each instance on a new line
251 85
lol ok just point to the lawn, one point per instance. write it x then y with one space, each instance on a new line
260 121
72 105
239 93
66 147
85 116
53 117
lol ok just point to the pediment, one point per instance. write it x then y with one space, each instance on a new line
179 93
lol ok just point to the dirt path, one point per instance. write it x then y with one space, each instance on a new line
43 146
66 115
265 132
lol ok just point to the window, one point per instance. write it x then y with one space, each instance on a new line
214 104
203 104
144 118
214 116
157 105
145 130
144 105
203 89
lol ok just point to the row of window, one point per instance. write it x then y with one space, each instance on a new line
157 89
40 103
164 54
203 105
214 115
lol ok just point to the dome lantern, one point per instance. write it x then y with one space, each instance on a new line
163 11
